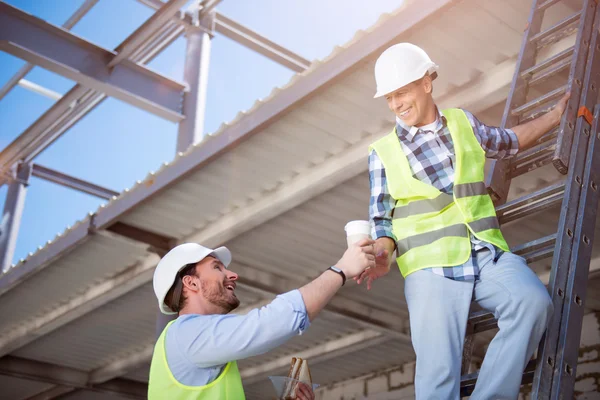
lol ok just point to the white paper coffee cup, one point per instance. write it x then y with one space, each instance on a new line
357 230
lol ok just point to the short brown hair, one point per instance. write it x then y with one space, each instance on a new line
175 293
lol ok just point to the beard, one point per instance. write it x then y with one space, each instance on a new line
217 294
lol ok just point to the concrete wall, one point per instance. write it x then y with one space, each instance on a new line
397 383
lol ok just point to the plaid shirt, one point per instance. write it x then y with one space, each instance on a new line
430 153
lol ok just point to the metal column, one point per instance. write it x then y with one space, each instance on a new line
11 217
197 59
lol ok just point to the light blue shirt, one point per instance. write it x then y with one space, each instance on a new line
199 346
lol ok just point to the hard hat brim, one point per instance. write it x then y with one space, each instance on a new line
223 254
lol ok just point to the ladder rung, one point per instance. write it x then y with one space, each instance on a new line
480 321
535 157
547 242
487 325
467 382
555 94
532 160
547 4
540 254
538 112
551 72
480 316
548 136
556 28
534 202
533 153
565 54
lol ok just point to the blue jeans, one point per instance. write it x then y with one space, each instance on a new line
439 309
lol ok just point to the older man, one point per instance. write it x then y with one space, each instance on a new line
429 202
195 356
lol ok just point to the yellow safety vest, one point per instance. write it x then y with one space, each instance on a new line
431 227
163 385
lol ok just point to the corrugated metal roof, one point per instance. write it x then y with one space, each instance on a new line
205 186
110 332
94 339
99 258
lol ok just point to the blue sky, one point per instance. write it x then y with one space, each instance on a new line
117 144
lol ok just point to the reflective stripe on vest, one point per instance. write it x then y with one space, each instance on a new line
469 189
163 385
484 224
423 239
431 227
423 206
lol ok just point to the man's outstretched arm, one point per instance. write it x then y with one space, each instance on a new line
319 292
209 340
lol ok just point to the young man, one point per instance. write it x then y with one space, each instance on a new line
195 356
430 204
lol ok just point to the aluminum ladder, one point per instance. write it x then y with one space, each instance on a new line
574 149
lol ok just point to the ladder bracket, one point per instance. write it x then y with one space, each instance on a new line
585 113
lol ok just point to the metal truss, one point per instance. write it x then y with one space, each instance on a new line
119 73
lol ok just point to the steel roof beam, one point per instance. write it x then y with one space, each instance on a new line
209 5
159 243
66 112
160 40
153 24
52 393
70 377
70 23
246 37
260 44
41 133
65 180
79 100
39 89
42 372
58 50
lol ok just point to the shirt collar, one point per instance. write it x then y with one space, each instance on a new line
409 132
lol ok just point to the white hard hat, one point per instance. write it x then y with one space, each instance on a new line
174 261
400 65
